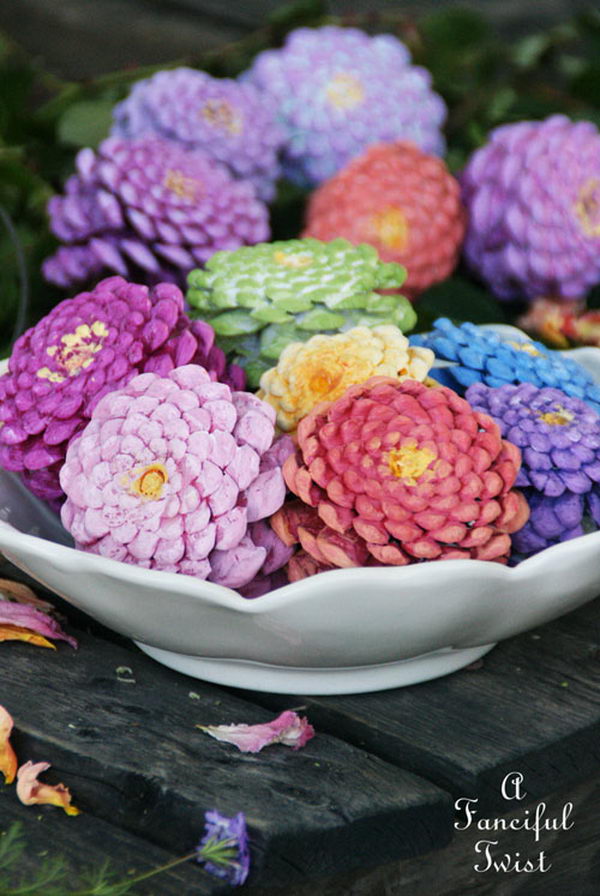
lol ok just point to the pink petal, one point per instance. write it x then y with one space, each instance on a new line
33 792
25 616
288 729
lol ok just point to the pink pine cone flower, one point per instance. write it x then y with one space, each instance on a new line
394 473
148 208
177 473
84 348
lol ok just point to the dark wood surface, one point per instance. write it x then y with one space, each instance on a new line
365 809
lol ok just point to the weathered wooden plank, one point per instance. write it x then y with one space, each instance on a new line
86 843
535 702
130 753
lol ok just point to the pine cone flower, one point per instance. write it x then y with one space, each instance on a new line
480 355
338 90
85 347
559 437
400 200
232 123
150 209
395 473
533 198
261 298
173 473
325 366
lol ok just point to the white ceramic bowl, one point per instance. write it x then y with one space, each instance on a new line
344 631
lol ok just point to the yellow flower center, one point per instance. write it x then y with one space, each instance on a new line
291 260
345 91
587 207
410 462
150 481
178 183
390 227
324 381
221 114
75 352
526 347
560 417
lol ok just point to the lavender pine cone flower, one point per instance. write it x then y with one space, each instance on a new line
481 355
533 198
85 347
148 208
559 438
232 123
173 473
223 850
338 90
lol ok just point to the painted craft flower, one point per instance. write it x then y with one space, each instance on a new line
481 355
172 473
338 90
224 850
148 208
84 348
231 122
402 201
394 473
559 438
261 298
322 368
533 199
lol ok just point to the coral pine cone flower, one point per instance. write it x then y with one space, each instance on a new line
325 366
394 473
174 473
400 200
84 348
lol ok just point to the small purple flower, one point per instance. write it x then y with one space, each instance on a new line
232 123
533 200
150 209
83 349
223 850
338 90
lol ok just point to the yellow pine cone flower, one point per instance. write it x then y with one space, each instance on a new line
322 368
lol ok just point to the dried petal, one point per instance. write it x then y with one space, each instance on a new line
33 792
8 759
26 623
288 729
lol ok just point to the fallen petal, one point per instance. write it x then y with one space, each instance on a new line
18 633
288 729
8 759
23 594
23 616
33 792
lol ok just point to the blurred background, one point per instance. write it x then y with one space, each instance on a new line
64 65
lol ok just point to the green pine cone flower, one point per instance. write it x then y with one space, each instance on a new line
260 298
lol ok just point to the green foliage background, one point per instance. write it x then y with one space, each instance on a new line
484 80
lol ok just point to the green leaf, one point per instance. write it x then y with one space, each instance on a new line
85 123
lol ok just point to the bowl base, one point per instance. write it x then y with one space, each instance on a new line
318 681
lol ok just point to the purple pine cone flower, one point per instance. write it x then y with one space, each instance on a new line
174 473
338 90
533 198
223 850
232 123
559 438
84 348
149 209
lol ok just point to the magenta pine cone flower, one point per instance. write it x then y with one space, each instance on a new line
232 123
338 90
533 198
85 347
173 473
149 208
223 850
559 438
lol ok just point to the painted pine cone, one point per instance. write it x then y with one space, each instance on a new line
85 347
149 209
403 202
394 473
230 122
339 90
533 198
325 366
261 298
172 473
